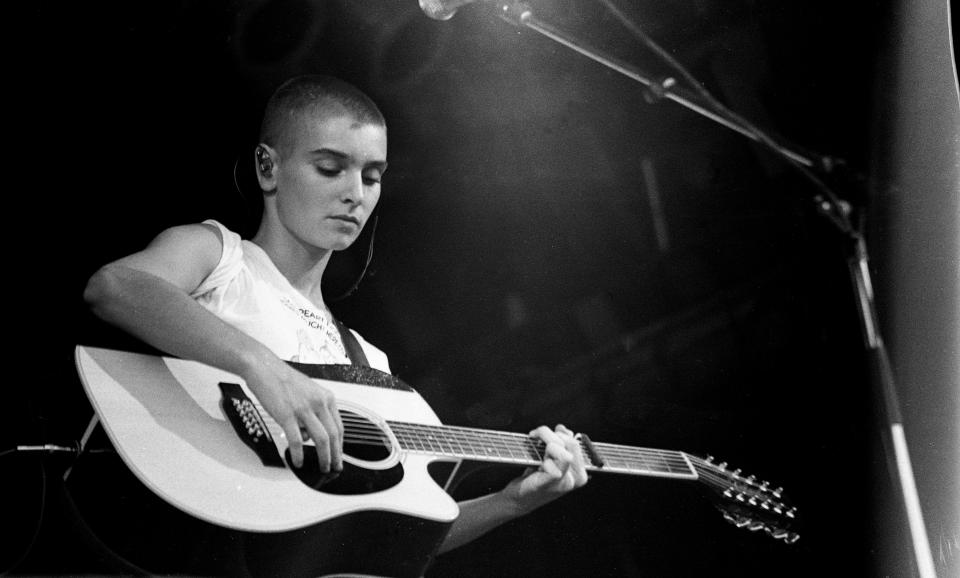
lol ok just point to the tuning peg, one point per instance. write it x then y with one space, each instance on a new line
739 497
751 479
728 493
736 472
765 504
752 501
791 513
736 519
778 492
778 533
756 526
764 486
777 508
781 534
722 465
709 459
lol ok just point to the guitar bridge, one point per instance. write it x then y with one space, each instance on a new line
248 423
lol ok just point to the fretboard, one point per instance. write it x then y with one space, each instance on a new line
519 449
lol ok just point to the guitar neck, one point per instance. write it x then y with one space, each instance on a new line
521 450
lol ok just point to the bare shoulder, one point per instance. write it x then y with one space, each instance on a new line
193 237
183 254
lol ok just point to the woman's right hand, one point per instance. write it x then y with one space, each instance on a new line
303 408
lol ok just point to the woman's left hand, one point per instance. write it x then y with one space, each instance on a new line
562 470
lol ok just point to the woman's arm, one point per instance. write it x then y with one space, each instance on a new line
147 294
562 470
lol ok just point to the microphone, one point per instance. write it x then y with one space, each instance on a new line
442 9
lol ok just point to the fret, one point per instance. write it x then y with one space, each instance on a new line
428 439
440 438
518 449
454 443
418 439
446 442
472 449
489 448
431 438
507 447
476 443
479 444
453 439
420 433
414 441
458 439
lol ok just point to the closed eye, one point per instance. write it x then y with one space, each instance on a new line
329 171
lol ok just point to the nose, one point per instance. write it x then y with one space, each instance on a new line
352 192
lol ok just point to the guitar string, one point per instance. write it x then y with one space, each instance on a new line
626 453
360 431
381 439
631 455
754 490
365 432
610 451
528 448
469 436
735 481
377 437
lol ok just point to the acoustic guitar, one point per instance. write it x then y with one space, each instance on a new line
199 440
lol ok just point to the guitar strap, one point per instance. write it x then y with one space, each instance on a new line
350 343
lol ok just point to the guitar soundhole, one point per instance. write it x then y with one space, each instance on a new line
364 441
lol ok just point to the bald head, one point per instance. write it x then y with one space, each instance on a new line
314 96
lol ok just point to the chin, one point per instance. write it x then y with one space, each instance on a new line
341 244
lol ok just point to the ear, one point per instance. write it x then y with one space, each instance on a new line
265 166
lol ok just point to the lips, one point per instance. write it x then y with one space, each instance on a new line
347 219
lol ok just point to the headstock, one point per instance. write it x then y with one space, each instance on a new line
746 502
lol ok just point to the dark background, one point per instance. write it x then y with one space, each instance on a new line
554 246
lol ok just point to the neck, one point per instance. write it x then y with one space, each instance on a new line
518 449
302 265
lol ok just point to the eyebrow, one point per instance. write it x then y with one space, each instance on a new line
381 165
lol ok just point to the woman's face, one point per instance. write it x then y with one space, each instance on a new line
328 179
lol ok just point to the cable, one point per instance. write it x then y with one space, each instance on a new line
40 515
366 264
49 448
367 260
46 449
246 202
94 541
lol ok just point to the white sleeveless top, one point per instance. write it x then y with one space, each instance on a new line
248 291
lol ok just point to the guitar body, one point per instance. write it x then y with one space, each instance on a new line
386 516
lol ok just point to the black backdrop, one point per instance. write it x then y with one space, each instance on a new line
554 245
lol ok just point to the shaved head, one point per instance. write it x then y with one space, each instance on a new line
316 96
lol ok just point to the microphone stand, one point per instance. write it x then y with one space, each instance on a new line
829 205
